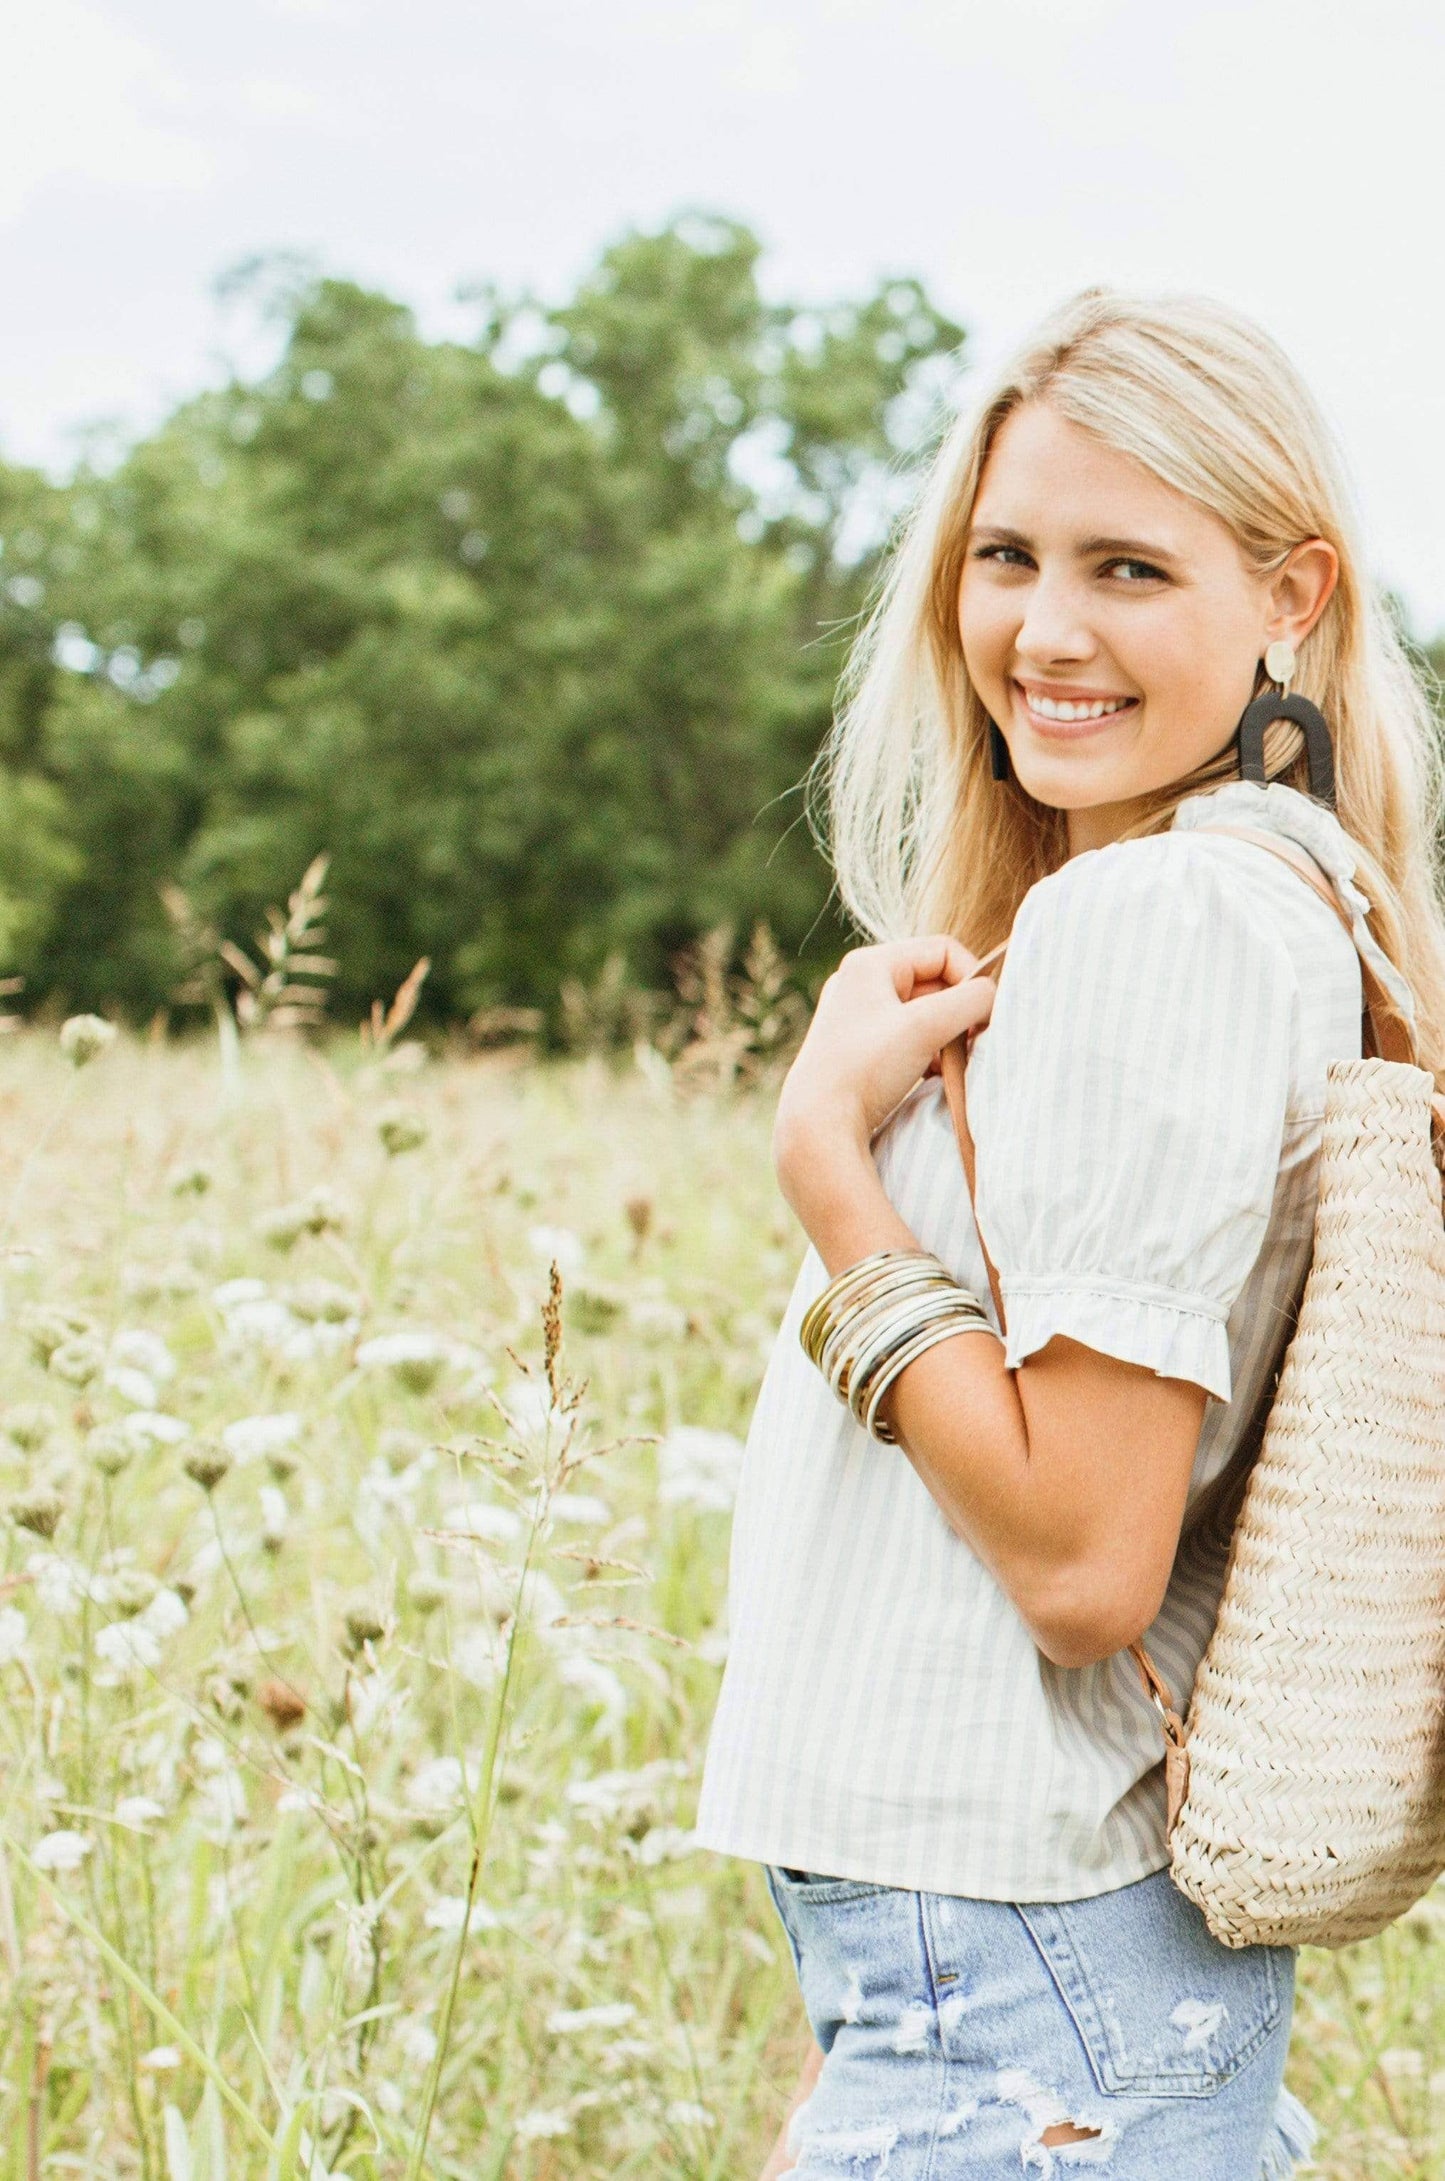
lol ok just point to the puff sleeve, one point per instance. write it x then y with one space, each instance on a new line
1128 1101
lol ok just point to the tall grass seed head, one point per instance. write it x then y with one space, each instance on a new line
401 1129
639 1216
191 1181
322 1302
206 1463
83 1036
38 1510
108 1449
29 1424
364 1625
399 1447
283 1705
77 1361
426 1591
131 1591
46 1326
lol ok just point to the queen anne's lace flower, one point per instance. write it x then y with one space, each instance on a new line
62 1851
13 1632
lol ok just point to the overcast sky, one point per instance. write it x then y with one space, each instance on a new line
1283 154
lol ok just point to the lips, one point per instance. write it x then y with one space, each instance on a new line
1074 708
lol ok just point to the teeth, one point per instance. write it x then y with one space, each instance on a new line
1053 708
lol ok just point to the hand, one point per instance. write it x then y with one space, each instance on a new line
882 1019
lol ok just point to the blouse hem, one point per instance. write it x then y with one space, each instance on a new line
917 1877
1175 1339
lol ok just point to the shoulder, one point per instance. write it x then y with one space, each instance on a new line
1165 897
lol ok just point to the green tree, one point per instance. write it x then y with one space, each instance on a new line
536 635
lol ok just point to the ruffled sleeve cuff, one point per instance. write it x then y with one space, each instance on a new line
1177 1336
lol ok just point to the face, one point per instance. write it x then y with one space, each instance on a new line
1110 625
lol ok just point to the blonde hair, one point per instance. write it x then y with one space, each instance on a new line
922 838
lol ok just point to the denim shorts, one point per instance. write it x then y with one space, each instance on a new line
959 2033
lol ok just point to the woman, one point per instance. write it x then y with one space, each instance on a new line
928 1730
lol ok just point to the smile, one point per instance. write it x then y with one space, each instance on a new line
1072 711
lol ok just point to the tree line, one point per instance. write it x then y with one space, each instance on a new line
533 635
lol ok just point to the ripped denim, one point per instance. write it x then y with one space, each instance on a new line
971 2040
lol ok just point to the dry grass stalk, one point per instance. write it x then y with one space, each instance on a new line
385 1024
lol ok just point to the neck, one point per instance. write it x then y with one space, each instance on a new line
1096 826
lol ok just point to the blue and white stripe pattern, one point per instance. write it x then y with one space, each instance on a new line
1146 1104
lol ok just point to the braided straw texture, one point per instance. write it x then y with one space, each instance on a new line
1315 1811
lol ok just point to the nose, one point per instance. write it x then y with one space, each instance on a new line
1054 631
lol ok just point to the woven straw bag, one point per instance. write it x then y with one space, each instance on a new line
1306 1796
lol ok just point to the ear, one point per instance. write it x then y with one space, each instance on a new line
1300 590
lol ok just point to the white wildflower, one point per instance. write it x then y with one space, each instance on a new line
326 1337
597 1681
160 2058
450 1912
83 1036
146 1351
527 1404
296 1800
152 1427
580 1507
663 1844
530 2126
438 1784
128 1646
13 1632
687 2113
132 1384
561 1243
222 1798
630 1795
699 1468
165 1614
62 1851
274 1513
478 1657
652 1318
567 2021
137 1812
252 1317
417 1358
418 2044
251 1437
485 1518
58 1585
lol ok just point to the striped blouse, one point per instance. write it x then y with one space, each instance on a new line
1146 1104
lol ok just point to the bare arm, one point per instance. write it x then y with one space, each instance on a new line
1038 1469
779 2158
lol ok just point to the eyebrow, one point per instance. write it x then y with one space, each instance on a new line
1130 548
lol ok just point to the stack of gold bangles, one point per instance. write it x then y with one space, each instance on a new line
876 1317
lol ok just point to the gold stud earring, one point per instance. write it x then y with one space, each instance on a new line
1279 663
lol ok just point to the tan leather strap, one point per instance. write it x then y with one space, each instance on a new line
1384 1035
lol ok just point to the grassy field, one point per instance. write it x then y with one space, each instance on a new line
361 1615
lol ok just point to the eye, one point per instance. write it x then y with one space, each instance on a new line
1135 571
1005 556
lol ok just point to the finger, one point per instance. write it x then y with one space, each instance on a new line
938 958
946 1015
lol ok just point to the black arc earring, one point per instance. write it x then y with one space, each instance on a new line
997 752
1273 704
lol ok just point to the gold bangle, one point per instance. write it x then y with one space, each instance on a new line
905 1329
872 1422
856 1326
870 1356
844 1286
